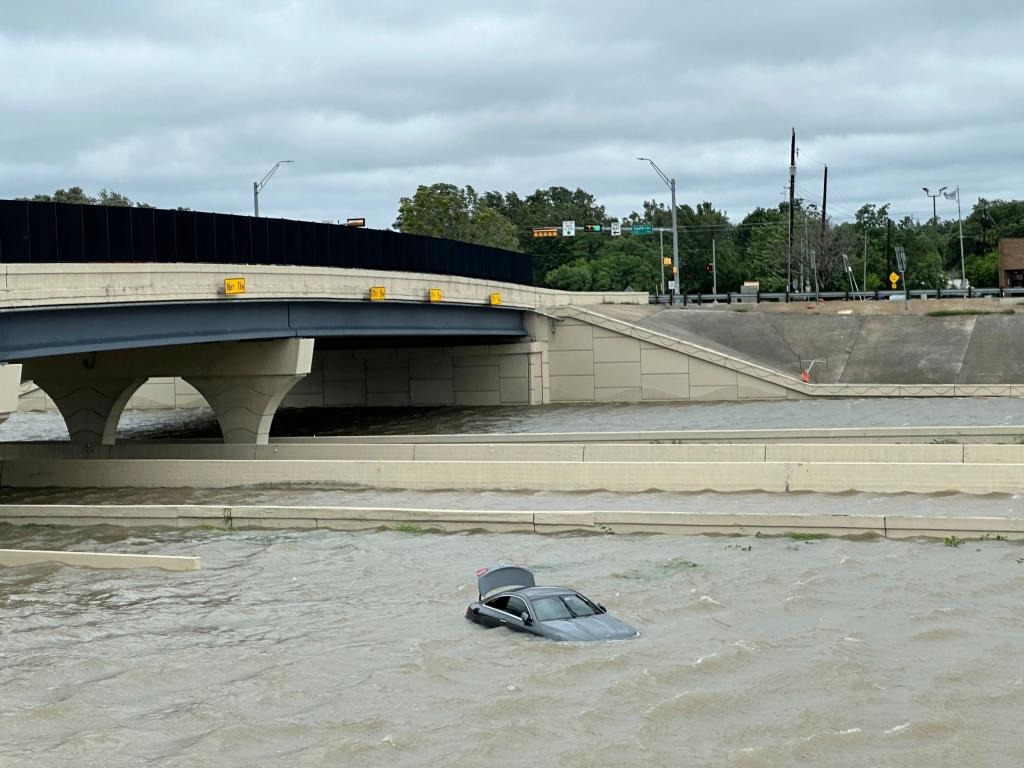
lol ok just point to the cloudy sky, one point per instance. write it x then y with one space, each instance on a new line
187 103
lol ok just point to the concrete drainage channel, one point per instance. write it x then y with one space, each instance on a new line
453 521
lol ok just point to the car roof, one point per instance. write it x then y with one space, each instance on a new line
532 592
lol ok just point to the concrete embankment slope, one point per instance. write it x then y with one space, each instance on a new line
891 348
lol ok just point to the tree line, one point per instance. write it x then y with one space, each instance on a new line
753 249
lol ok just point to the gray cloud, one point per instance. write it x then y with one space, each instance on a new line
188 102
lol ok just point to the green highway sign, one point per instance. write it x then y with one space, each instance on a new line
642 229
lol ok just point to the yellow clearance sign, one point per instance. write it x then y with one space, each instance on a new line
234 285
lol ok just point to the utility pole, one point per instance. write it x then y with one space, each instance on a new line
864 278
824 203
888 243
714 268
792 199
984 228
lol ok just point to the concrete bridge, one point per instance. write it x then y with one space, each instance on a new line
336 328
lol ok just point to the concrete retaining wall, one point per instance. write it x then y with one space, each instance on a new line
529 451
501 374
562 476
415 520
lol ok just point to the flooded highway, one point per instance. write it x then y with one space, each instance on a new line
867 412
328 648
324 648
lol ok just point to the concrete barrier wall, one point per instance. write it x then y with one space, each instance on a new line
535 452
426 520
48 285
625 477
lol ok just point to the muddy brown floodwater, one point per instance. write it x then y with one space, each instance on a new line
328 648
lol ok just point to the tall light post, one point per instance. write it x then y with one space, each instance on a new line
671 184
257 186
935 218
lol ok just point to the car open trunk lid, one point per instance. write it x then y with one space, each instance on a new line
502 576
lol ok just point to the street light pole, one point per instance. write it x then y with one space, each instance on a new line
257 186
671 184
935 218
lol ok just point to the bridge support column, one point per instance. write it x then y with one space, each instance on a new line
91 407
245 405
243 381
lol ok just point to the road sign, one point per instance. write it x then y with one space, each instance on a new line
666 261
234 285
616 229
671 285
545 231
642 229
893 277
568 229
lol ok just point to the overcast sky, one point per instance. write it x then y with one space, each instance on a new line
187 103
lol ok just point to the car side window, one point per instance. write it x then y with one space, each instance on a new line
516 606
499 603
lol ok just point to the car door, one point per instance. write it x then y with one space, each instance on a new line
516 608
493 611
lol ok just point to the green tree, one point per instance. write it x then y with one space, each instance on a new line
549 208
448 211
764 244
78 196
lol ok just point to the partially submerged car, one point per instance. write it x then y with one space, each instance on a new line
509 597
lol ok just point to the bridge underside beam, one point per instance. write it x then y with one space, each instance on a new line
28 334
244 382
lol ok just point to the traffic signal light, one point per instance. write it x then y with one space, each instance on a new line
591 227
709 268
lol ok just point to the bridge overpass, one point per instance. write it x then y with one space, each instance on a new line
91 308
95 300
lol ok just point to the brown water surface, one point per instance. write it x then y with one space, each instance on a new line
328 648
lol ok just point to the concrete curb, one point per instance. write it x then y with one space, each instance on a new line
13 557
548 521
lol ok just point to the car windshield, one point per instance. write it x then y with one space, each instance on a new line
561 607
579 606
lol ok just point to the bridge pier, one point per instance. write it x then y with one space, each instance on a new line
243 382
91 407
245 405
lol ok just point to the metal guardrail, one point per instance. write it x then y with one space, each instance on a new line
809 296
